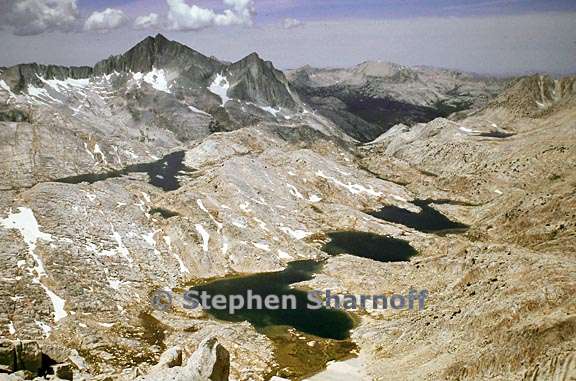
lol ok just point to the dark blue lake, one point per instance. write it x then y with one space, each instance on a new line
428 220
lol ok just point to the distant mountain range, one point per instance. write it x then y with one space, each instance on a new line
188 72
368 99
363 101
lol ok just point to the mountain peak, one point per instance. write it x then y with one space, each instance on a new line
154 52
250 59
158 40
153 43
259 81
253 56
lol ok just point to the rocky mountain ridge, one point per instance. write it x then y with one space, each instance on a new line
537 95
251 79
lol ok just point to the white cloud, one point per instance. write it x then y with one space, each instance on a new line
182 16
147 22
289 23
106 20
31 17
243 9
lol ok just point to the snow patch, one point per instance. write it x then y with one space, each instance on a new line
295 233
261 223
198 111
122 250
98 151
225 245
284 255
4 86
157 79
203 208
272 110
350 370
57 302
469 131
39 92
66 84
245 206
261 245
183 268
146 197
115 284
25 222
205 236
352 188
149 238
220 87
131 154
294 191
314 198
89 152
44 327
239 224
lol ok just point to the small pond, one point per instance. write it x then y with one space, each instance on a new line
162 173
368 245
428 220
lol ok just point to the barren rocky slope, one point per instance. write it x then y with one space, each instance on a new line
94 221
504 306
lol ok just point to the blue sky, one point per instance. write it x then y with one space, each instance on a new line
271 10
322 9
484 36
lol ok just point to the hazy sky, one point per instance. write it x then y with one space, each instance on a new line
486 36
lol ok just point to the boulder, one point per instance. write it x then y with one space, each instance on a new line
210 362
63 371
76 360
7 356
17 376
28 356
170 358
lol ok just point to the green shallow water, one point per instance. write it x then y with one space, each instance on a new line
325 323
